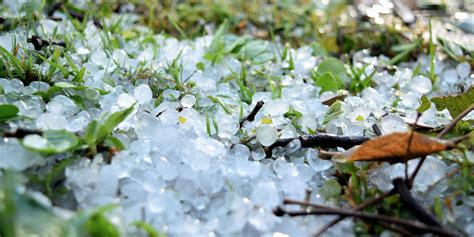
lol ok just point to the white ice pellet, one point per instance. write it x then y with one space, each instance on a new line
143 94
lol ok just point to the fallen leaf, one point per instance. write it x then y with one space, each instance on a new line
394 148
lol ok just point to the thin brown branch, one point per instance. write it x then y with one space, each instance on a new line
412 205
410 224
322 140
251 116
400 230
453 123
359 207
440 135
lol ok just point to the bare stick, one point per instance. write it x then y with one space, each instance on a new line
415 225
321 139
361 206
409 143
251 116
453 123
412 205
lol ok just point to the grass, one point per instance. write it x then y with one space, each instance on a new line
239 27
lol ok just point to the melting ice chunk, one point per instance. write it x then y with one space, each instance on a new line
266 134
143 94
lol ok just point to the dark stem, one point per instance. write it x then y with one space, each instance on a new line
376 129
251 116
359 207
409 143
453 123
322 140
411 204
415 225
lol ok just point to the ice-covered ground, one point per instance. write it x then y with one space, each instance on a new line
184 170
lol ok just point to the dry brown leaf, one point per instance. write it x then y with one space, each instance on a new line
393 148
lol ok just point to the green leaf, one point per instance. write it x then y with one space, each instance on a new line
92 224
425 104
333 66
455 103
116 118
23 215
330 189
8 112
149 230
51 142
328 82
215 100
95 132
114 142
438 208
334 112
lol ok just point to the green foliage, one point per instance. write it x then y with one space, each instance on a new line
99 130
12 67
328 82
215 100
360 80
52 142
330 189
335 111
216 50
8 112
425 104
455 103
147 228
333 66
23 215
294 116
403 51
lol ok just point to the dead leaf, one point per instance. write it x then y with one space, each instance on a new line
393 148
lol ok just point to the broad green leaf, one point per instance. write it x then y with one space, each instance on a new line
8 112
51 142
425 104
95 132
334 112
92 224
455 103
333 66
23 215
330 189
328 82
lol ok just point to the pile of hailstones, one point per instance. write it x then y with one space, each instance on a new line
185 182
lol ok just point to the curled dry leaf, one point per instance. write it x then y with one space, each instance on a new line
394 148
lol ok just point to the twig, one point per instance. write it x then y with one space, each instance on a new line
251 116
359 207
448 175
376 130
440 135
409 143
323 140
400 230
453 123
415 225
412 205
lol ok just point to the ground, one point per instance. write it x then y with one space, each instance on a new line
236 118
